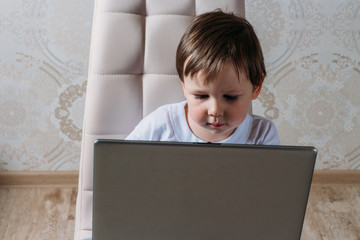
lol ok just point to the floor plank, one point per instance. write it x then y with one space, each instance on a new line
333 212
39 213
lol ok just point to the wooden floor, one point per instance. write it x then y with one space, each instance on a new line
48 212
37 213
333 213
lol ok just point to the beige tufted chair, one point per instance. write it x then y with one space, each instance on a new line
131 73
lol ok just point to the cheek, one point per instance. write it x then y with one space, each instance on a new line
238 114
197 113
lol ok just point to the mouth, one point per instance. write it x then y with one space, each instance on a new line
216 125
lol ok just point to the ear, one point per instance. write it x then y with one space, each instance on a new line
257 89
183 86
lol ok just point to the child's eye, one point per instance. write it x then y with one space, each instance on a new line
230 97
201 96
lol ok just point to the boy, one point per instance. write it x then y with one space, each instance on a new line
220 63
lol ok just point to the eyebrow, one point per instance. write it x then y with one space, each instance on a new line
234 92
198 92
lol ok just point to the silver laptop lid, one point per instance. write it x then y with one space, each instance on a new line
164 190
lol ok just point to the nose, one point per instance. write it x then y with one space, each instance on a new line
215 108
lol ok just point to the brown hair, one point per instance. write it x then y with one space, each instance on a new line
215 38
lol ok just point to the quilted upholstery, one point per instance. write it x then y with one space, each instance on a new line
131 72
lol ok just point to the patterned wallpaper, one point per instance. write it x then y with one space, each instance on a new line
44 51
312 92
312 51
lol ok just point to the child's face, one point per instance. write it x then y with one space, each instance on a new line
216 109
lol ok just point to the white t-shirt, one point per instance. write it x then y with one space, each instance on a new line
168 123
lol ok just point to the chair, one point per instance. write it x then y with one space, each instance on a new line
131 73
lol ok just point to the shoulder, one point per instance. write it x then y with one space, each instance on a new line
263 131
261 122
158 125
164 114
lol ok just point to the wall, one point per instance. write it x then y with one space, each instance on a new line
312 91
44 51
312 52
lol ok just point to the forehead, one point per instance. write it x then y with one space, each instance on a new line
228 76
218 87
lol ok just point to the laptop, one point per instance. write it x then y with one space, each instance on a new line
200 191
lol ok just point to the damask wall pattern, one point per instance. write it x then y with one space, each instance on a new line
44 51
311 92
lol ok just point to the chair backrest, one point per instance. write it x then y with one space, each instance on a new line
131 73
